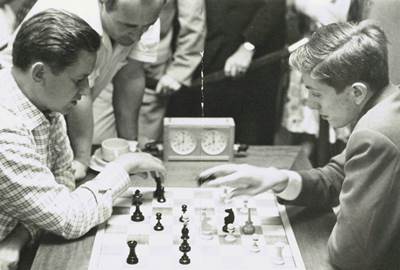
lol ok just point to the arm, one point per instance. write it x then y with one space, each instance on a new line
189 41
129 85
80 131
261 32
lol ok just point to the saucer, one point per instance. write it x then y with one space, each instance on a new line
97 163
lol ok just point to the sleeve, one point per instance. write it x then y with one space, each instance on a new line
368 199
145 50
189 41
31 195
270 16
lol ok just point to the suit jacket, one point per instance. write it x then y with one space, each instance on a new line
365 180
232 22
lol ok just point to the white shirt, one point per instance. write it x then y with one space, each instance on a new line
109 59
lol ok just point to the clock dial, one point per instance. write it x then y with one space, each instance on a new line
182 142
213 142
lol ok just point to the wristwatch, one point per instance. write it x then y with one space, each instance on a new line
248 46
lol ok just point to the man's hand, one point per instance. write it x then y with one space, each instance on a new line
167 85
10 248
245 179
135 163
79 169
238 63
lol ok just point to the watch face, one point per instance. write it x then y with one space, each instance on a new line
213 142
182 142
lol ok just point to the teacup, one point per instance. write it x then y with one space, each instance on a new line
113 148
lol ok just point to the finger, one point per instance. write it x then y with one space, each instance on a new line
219 170
231 180
159 88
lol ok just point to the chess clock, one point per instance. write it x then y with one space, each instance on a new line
198 138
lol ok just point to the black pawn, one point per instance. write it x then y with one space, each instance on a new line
185 247
132 258
184 259
158 226
184 209
230 218
161 196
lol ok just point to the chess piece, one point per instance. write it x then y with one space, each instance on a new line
159 193
245 207
185 247
230 218
277 253
225 196
248 227
132 258
230 237
255 247
206 228
184 209
137 201
185 232
184 259
158 226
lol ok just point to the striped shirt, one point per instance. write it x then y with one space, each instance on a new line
36 181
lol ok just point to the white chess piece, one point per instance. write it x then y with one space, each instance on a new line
245 207
277 253
255 247
230 237
205 227
225 196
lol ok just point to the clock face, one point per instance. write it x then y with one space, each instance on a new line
182 142
213 142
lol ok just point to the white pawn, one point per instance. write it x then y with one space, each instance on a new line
225 196
205 227
277 253
245 207
230 237
255 247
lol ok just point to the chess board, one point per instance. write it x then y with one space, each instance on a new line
160 249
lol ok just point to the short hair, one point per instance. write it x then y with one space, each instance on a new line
340 54
54 37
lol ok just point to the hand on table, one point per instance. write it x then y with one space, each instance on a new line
136 163
167 85
79 169
245 179
238 63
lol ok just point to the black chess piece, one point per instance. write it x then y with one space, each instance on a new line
132 258
185 247
230 218
158 226
159 193
184 209
184 259
137 201
185 232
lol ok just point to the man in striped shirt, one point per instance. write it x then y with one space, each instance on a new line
53 54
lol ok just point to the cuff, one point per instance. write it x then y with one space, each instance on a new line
293 187
114 178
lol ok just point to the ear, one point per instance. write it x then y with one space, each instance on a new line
108 4
359 92
37 72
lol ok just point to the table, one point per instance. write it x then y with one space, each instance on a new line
311 229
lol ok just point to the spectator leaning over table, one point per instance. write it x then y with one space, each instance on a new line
118 68
177 57
345 69
53 54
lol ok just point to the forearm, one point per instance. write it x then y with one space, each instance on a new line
80 129
129 85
